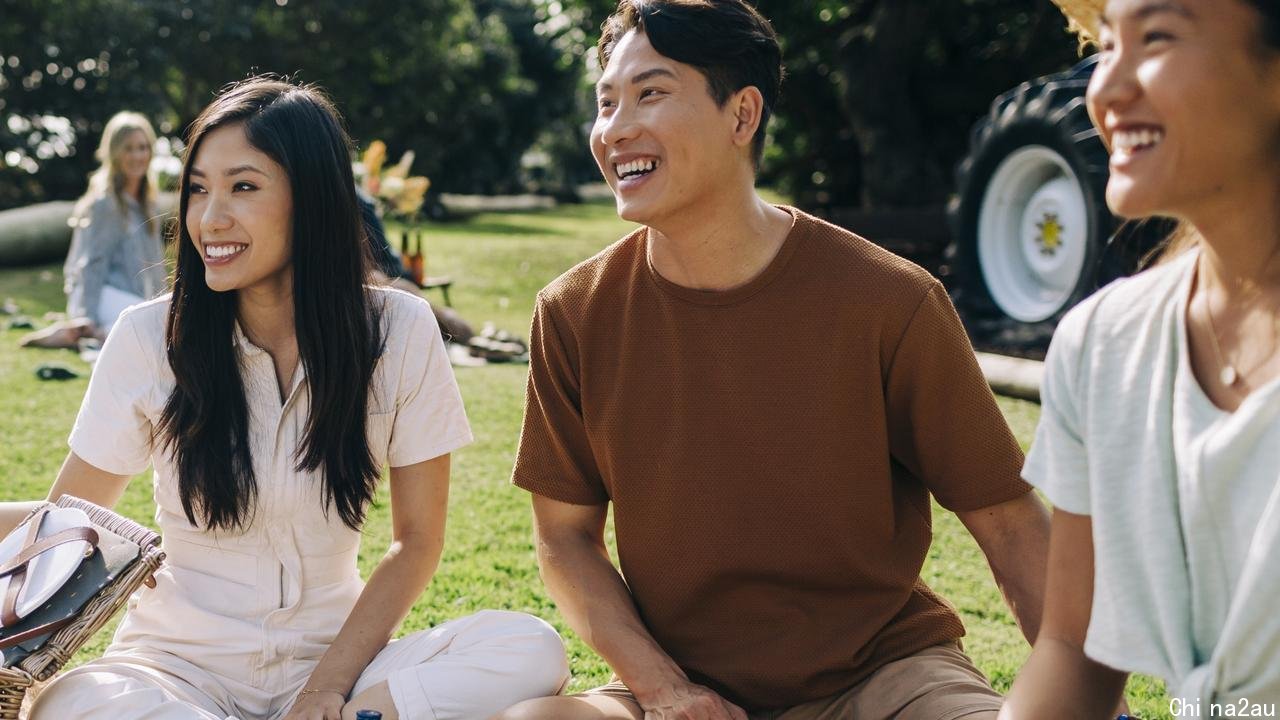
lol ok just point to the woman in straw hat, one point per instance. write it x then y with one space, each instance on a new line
1159 439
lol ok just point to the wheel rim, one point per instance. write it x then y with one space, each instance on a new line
1033 234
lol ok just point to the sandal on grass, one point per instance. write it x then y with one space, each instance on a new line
56 372
497 350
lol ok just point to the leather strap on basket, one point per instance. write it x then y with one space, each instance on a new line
16 568
19 638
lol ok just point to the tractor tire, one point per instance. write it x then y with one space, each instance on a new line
1029 221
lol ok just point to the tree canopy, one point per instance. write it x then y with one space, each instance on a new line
876 109
467 85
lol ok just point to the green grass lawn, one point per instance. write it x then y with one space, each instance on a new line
498 262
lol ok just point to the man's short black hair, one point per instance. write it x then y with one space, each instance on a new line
728 41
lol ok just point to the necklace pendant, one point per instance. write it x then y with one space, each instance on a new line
1228 376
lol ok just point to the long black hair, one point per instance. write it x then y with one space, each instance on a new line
1270 29
205 423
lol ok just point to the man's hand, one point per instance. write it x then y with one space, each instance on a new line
687 701
325 705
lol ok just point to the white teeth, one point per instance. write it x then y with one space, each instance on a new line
1127 140
635 166
220 251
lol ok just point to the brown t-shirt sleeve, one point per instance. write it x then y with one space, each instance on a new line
944 424
555 457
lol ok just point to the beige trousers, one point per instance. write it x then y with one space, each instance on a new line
471 667
938 683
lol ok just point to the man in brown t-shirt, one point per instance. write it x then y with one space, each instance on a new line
768 401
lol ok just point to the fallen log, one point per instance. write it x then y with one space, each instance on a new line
35 233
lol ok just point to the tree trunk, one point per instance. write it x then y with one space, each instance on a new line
879 61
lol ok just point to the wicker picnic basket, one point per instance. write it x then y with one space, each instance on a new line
1084 14
44 662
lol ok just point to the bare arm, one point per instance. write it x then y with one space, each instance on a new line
1059 681
1014 536
419 500
595 601
77 478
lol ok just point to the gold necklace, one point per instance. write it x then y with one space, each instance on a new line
1228 375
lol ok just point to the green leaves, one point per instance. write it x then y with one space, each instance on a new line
466 85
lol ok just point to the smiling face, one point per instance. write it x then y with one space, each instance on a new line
660 140
240 214
1187 98
134 156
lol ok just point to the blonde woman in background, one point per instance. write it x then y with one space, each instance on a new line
116 257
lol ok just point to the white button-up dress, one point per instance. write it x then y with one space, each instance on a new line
238 620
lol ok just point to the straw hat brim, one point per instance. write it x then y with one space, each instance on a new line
1085 15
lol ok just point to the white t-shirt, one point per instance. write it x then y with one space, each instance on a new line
1221 498
1184 498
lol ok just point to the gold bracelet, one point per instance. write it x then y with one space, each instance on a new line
313 691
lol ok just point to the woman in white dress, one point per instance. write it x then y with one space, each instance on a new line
267 392
1159 438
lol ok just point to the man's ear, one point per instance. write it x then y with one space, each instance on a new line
747 108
